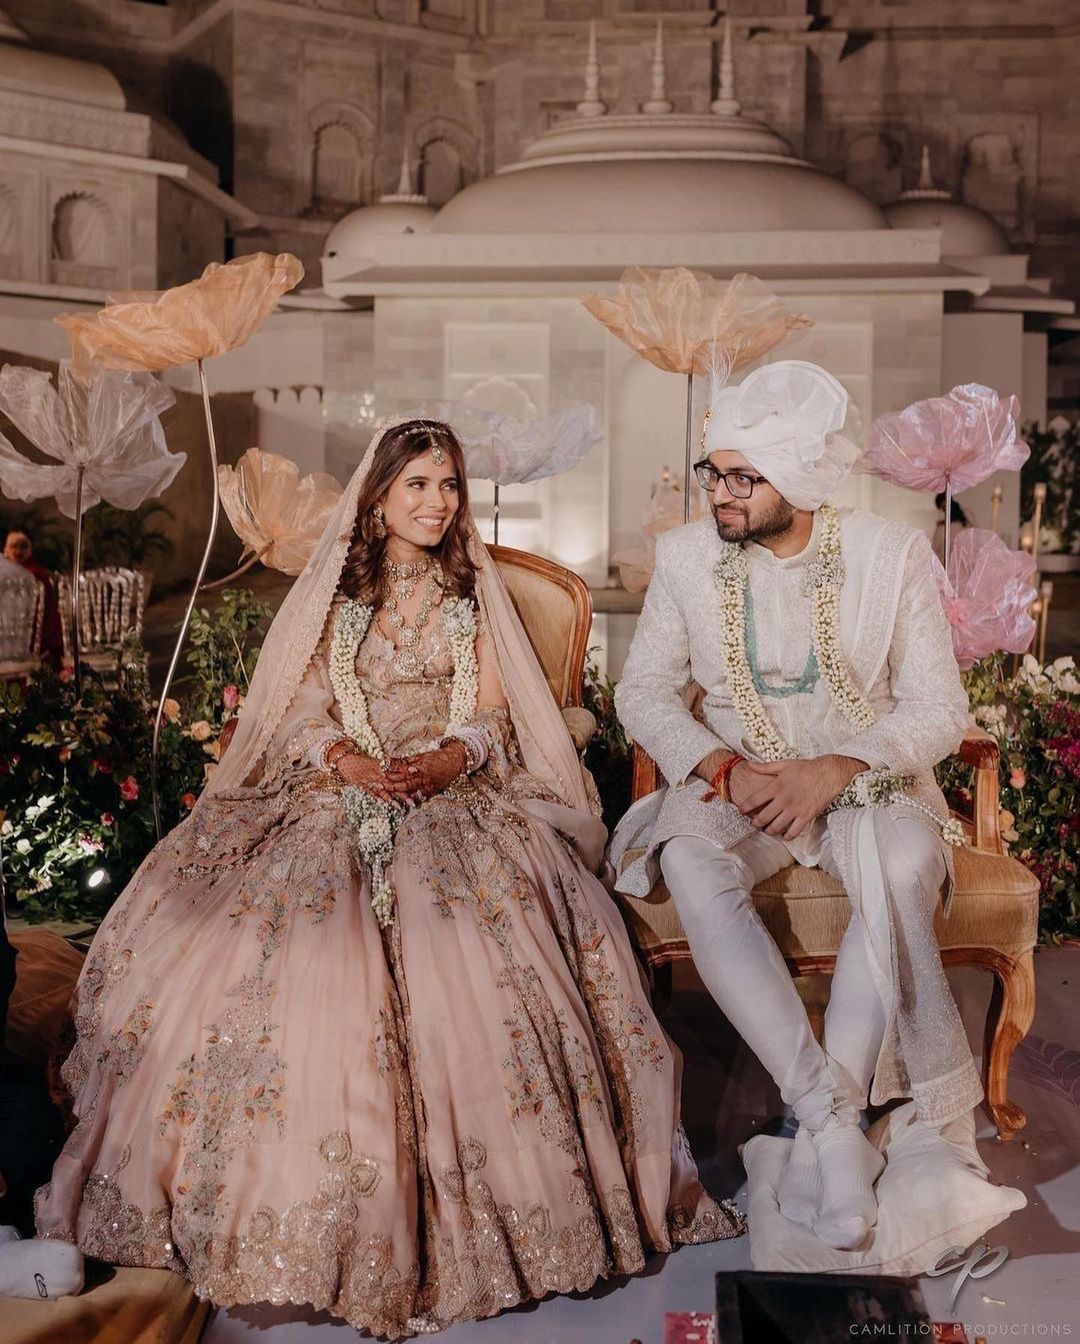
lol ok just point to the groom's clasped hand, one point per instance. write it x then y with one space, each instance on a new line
783 798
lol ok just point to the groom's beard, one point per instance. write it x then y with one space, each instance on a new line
735 525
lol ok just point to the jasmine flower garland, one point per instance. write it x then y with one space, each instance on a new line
374 820
823 583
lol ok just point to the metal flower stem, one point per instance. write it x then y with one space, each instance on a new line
495 513
214 512
76 572
689 442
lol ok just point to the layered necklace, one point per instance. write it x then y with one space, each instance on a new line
399 584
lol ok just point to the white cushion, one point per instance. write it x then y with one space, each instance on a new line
934 1193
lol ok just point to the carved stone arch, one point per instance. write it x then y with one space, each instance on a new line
873 165
992 177
341 142
84 231
448 158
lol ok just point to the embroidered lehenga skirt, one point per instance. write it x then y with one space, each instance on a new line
285 1103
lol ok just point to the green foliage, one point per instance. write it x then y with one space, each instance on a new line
1054 461
224 645
1035 717
130 538
609 755
75 791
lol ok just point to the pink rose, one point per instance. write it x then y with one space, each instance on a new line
1017 779
65 755
67 672
188 801
89 845
129 789
230 697
107 819
99 766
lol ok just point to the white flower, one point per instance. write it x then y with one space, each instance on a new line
952 832
201 731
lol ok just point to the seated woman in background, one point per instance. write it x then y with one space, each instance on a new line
19 549
365 1031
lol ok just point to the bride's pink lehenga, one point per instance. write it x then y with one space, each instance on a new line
286 1105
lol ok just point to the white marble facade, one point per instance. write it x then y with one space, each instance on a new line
136 138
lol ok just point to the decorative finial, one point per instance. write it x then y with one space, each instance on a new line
658 100
404 186
925 189
726 104
404 194
591 106
926 175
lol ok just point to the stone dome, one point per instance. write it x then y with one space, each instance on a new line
350 235
659 194
659 171
965 230
402 211
63 78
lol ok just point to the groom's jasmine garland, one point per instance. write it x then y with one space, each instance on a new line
375 821
823 582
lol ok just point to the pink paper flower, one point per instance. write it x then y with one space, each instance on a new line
966 435
129 789
987 596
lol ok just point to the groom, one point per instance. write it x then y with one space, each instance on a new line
818 639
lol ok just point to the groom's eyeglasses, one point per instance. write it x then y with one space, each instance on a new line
739 484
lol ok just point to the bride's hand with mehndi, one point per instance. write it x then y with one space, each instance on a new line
430 772
365 772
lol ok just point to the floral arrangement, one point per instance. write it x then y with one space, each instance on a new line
75 814
609 756
1055 463
375 820
75 792
1034 713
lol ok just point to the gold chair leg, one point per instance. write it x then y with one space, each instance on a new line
1012 1008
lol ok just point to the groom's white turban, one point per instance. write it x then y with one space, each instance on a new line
784 419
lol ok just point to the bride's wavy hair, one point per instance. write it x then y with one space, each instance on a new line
360 577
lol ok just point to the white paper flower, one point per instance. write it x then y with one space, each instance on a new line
510 451
109 427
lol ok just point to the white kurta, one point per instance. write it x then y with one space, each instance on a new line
894 635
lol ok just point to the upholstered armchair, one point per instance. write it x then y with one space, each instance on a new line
556 610
993 922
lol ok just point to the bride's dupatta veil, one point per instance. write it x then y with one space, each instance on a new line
410 1125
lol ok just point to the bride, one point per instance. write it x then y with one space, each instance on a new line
365 1031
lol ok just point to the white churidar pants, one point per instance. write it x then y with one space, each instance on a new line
741 966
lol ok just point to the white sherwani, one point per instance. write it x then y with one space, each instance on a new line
899 650
893 632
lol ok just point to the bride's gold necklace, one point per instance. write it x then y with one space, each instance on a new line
398 587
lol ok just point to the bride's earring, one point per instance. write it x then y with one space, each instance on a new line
380 521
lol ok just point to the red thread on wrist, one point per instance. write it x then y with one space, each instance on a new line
719 786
